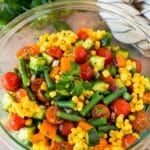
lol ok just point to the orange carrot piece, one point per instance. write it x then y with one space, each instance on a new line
84 125
102 145
36 138
121 61
48 129
65 63
54 72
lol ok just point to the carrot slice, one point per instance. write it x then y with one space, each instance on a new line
65 63
121 61
84 125
48 129
54 72
102 145
36 138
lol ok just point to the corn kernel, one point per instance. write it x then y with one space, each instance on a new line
106 73
28 122
93 52
52 94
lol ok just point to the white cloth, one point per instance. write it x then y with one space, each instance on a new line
128 25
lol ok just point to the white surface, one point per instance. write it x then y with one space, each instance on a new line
3 146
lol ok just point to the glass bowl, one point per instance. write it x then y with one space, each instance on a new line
29 26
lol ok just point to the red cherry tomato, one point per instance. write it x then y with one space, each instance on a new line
138 65
65 127
141 120
121 106
86 71
80 54
82 35
16 122
51 115
128 140
62 146
10 81
100 110
104 52
55 52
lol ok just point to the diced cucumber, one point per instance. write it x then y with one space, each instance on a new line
79 43
88 44
92 137
24 134
97 62
40 114
100 86
123 52
48 58
37 63
7 101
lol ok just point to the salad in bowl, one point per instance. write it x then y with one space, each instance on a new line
76 90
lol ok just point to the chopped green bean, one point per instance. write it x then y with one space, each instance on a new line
106 128
70 117
31 95
65 104
126 96
95 99
49 83
23 72
98 122
108 99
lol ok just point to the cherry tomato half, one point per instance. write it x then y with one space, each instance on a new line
141 120
82 35
62 146
128 140
100 110
120 106
86 71
80 54
51 115
20 93
146 98
65 127
138 65
55 52
16 122
106 53
10 81
32 50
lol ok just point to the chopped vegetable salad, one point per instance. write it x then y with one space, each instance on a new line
76 91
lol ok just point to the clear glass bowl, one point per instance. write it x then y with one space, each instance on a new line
26 29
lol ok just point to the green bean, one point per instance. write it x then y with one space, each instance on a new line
108 99
98 122
23 72
95 99
70 117
31 95
65 104
106 128
126 96
49 83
